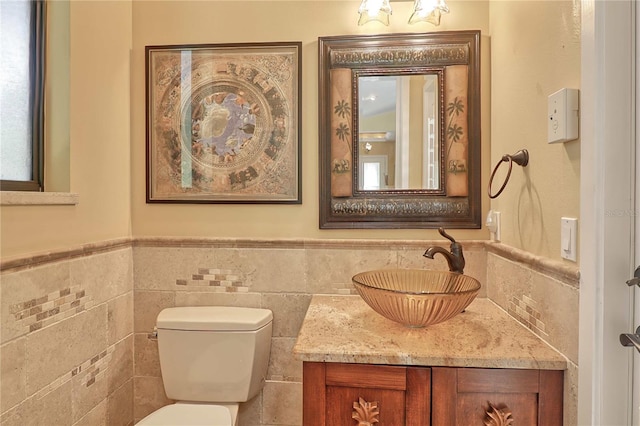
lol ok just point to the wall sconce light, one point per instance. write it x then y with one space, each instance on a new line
423 11
428 11
374 10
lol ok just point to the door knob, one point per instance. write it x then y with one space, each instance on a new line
636 278
628 339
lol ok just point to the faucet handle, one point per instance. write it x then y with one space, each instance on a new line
447 236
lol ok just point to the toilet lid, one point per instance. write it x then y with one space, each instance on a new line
188 415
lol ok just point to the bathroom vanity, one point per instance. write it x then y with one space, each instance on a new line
480 367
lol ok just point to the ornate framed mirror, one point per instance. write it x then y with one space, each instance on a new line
399 122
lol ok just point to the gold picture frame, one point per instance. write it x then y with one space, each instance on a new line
223 123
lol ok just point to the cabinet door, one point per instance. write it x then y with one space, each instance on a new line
355 394
463 396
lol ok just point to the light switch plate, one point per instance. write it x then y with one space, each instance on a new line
562 119
569 238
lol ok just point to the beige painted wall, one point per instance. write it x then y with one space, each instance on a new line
99 140
176 22
535 51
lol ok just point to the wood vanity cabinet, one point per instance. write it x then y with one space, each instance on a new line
337 394
471 396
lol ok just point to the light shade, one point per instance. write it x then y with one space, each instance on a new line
428 11
374 10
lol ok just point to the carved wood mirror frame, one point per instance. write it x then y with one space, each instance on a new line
455 56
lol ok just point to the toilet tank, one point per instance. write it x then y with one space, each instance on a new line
214 353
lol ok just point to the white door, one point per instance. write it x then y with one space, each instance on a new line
631 338
635 281
373 172
636 214
607 212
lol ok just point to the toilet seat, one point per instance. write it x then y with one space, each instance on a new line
189 415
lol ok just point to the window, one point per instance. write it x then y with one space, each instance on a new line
21 94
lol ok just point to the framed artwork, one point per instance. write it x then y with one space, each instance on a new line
223 123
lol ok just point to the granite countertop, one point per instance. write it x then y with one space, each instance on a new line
346 329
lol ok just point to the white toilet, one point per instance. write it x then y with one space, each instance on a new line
211 358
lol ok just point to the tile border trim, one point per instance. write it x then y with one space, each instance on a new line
20 262
556 269
25 262
301 243
568 274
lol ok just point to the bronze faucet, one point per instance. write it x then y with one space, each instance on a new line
455 258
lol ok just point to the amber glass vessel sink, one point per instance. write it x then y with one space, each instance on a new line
416 297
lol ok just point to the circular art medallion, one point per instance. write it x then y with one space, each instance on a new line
229 125
226 129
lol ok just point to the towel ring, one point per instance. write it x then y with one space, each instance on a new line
521 158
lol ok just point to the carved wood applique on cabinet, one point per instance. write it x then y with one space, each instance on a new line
332 391
498 416
365 413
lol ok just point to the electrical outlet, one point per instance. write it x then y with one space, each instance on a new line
563 111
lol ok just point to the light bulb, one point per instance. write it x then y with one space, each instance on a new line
428 11
374 10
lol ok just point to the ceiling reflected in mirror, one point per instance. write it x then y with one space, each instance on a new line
377 95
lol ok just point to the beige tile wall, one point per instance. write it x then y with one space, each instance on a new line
66 340
277 275
89 361
543 295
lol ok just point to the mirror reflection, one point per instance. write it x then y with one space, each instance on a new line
398 132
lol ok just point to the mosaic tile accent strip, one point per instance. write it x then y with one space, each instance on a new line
217 280
94 369
89 372
525 311
37 313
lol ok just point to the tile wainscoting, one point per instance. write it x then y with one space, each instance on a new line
280 275
126 284
543 295
66 339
